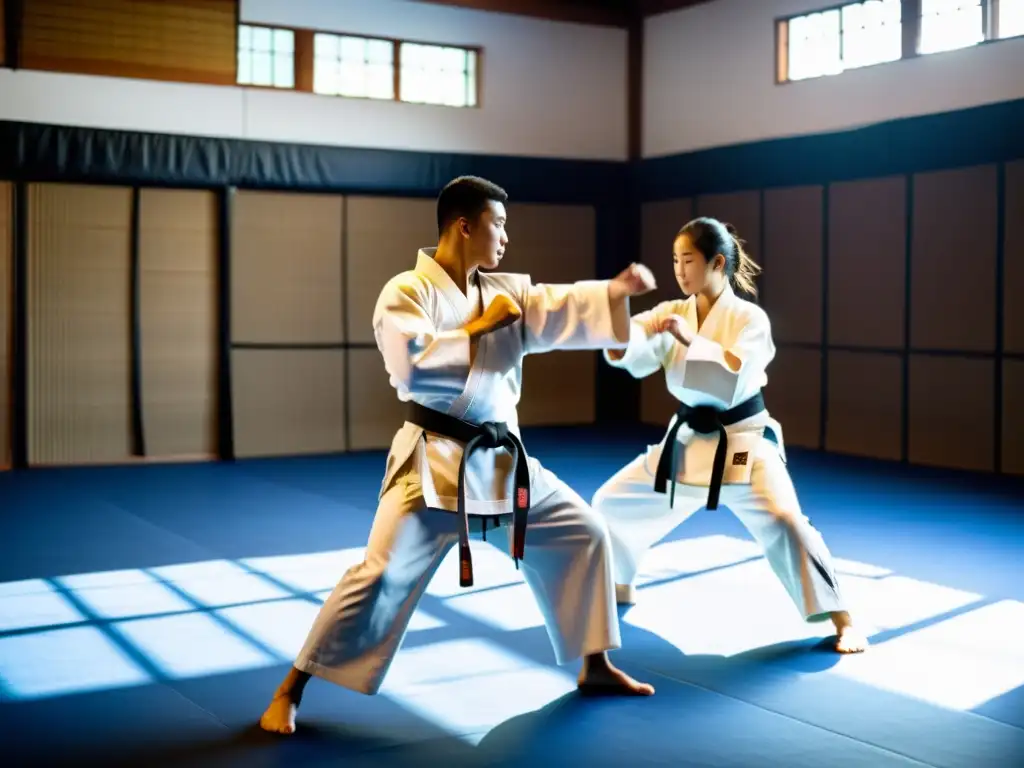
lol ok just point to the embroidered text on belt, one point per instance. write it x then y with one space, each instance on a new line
704 420
490 434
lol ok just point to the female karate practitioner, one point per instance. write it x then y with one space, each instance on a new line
714 348
453 340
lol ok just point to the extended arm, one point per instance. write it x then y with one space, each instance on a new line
582 315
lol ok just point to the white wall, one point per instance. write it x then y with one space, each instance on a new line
549 89
709 80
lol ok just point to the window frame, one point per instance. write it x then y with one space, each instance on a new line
295 55
304 56
910 23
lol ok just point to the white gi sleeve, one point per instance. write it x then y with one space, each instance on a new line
646 350
707 368
418 358
578 315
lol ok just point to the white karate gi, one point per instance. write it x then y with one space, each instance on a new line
756 486
567 563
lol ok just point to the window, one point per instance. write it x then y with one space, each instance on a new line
353 66
266 56
1010 18
950 24
833 41
434 74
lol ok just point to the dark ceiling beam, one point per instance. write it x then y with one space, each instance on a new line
612 13
652 7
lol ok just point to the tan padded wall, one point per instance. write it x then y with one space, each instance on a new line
286 281
951 412
178 308
867 263
1013 417
375 412
792 244
793 395
660 223
288 402
743 211
384 234
6 308
555 244
864 404
954 242
78 324
1013 259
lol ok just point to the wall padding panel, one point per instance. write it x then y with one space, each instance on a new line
375 412
656 403
951 412
78 324
178 308
793 258
1013 259
793 395
864 404
555 244
383 236
867 263
954 242
742 210
286 276
659 225
6 308
1013 417
660 222
288 401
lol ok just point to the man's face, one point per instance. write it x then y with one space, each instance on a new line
487 236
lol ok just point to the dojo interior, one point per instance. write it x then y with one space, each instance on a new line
199 203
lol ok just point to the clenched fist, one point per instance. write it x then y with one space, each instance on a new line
634 280
501 312
677 326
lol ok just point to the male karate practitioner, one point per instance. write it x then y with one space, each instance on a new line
453 340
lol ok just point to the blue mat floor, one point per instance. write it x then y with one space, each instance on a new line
148 612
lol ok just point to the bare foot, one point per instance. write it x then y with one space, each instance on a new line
848 639
599 677
280 714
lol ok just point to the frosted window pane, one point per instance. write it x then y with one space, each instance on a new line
412 55
380 81
871 33
950 24
325 46
261 69
244 68
379 52
352 79
1011 18
284 71
284 41
353 49
325 77
260 39
244 37
814 45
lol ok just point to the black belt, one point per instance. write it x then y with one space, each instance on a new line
704 420
490 434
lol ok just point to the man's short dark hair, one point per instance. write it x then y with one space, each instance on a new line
466 197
